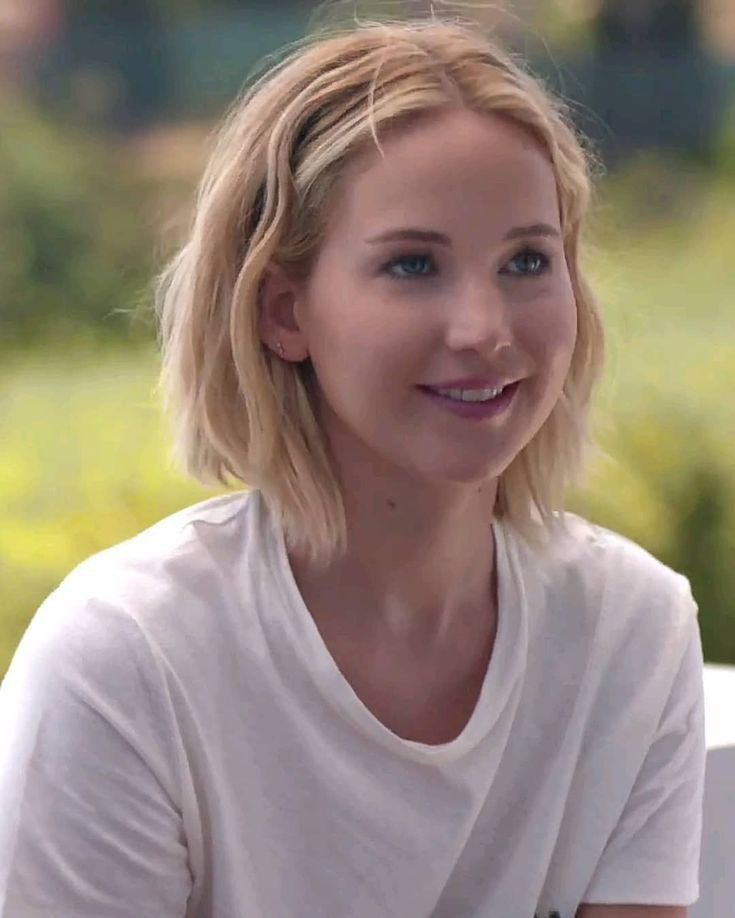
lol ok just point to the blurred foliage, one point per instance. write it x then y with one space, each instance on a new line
76 254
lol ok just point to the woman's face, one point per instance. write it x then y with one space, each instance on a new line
442 262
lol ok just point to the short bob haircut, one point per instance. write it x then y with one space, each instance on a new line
237 409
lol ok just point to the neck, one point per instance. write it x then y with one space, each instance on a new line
420 555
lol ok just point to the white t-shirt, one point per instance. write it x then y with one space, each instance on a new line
178 741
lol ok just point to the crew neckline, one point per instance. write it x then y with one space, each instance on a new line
503 671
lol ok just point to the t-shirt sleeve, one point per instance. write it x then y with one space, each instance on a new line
652 856
89 821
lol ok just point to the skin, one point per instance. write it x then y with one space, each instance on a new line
410 613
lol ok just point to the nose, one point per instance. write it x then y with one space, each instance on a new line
479 319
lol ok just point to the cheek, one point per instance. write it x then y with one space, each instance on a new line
357 353
362 335
552 332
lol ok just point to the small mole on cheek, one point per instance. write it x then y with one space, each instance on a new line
392 504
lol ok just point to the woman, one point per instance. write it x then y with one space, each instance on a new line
392 678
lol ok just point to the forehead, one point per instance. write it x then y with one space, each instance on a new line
451 165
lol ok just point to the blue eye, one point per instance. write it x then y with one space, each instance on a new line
412 262
528 263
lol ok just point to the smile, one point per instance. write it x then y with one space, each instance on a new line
476 404
468 395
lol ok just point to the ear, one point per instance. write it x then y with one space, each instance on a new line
278 300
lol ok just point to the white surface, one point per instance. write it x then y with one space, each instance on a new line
717 873
717 876
719 707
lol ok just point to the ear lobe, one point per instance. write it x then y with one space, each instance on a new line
277 320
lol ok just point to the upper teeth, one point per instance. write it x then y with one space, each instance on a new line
471 395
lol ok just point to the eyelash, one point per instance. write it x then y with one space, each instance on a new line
543 269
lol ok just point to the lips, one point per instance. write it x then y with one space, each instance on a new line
474 410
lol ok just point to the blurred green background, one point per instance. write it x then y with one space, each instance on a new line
105 114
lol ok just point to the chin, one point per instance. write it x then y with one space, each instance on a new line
474 464
462 472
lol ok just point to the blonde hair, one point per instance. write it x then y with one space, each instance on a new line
239 411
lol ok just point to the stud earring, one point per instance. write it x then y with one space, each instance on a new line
280 348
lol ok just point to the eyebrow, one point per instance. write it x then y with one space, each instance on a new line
424 235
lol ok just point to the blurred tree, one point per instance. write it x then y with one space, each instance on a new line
120 65
111 66
648 23
702 546
653 83
77 252
176 8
